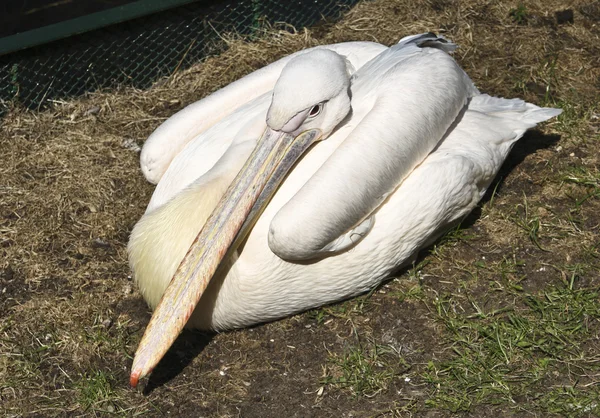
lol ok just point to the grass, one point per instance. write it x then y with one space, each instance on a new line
532 352
96 392
519 14
588 178
501 355
365 368
529 223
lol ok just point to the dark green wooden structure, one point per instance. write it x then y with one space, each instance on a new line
24 24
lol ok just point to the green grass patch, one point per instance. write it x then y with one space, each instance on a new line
96 393
506 356
587 179
366 368
530 223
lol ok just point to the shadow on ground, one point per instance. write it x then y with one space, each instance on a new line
186 348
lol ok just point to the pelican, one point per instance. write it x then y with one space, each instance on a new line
311 181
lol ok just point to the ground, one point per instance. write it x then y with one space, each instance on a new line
499 318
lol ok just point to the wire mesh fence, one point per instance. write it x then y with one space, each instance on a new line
140 51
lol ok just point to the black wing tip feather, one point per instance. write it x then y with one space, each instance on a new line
430 40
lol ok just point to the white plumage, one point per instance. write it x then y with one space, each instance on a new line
411 146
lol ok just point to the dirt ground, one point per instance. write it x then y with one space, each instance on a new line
501 317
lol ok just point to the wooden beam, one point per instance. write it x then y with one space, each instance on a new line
85 23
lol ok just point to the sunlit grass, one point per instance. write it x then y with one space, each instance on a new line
515 351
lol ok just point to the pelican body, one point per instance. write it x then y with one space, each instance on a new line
310 181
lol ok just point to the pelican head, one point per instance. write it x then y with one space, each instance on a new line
313 91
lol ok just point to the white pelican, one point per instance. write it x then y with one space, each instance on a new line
411 146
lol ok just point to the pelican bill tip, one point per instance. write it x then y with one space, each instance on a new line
134 379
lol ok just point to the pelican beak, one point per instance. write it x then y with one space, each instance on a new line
243 202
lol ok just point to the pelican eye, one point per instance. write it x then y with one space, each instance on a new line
315 110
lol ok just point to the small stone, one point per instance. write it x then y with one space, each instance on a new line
107 323
94 110
564 16
100 243
131 144
6 243
7 273
92 207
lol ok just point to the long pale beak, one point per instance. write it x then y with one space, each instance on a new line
234 216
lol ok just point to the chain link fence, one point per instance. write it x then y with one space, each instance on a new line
138 52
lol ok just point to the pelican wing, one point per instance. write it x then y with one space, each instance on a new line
441 191
404 101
